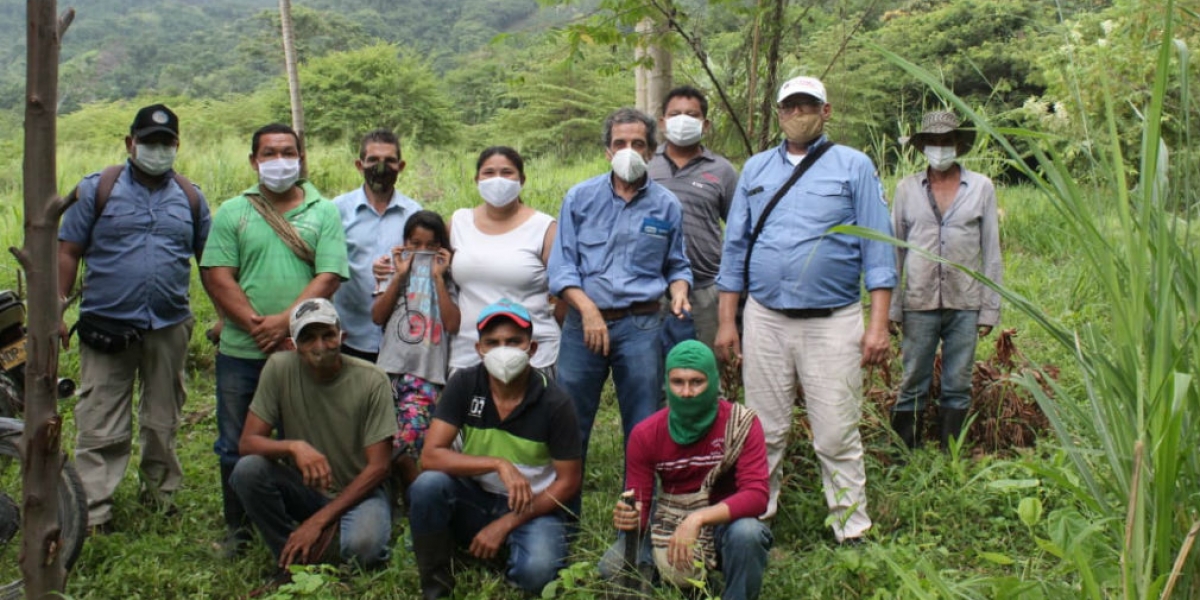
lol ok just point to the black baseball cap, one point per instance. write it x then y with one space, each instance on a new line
156 118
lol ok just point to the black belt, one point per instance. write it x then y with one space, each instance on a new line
648 307
806 313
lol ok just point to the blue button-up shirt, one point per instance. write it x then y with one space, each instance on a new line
369 235
137 253
619 253
796 263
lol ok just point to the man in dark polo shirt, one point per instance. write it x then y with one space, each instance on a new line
519 462
704 182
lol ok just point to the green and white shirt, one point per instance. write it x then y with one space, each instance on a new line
540 430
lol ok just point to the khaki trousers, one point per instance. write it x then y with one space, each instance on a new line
824 355
104 415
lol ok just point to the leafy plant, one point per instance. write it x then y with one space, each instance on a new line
1131 440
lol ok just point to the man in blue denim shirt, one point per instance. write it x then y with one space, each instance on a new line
619 249
138 249
803 317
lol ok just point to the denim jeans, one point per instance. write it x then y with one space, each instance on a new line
923 330
742 548
635 359
441 503
237 378
277 501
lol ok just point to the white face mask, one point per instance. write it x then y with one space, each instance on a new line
499 191
940 157
629 165
279 175
506 362
154 159
684 130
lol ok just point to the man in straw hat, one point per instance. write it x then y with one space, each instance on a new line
950 212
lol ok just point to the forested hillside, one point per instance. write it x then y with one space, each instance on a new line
541 74
211 48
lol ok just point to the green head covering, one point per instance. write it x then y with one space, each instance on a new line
689 419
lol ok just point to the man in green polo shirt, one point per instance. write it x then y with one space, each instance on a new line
277 244
519 462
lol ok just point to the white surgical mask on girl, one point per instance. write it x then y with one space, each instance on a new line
940 157
280 174
684 130
154 159
629 165
499 191
505 362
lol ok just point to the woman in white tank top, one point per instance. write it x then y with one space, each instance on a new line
500 251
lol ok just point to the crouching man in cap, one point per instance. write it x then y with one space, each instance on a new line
710 459
949 212
519 462
336 423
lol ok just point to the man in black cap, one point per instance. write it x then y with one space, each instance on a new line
136 225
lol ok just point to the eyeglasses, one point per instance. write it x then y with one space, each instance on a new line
807 107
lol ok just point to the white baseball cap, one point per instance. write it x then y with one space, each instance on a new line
315 310
803 85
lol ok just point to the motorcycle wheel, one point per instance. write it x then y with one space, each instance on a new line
72 515
12 401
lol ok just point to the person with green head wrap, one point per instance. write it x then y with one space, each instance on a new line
710 460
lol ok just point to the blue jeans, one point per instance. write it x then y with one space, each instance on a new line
635 359
440 503
742 549
237 378
956 330
277 501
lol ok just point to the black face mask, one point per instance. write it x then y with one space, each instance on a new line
379 177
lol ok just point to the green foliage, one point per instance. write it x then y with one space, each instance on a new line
1107 59
348 93
559 106
983 50
1131 443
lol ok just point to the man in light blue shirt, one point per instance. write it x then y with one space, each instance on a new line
619 249
803 315
374 217
137 227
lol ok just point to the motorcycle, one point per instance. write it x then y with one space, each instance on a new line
72 509
72 503
12 357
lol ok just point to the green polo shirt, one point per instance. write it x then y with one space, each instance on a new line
269 273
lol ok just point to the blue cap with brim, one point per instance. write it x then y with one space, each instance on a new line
504 308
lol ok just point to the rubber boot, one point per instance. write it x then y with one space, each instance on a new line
904 422
952 425
435 551
237 527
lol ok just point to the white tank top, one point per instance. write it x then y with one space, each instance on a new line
487 268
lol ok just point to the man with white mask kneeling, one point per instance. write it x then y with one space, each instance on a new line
519 462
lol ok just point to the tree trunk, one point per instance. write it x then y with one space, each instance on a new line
654 82
766 112
752 83
41 561
293 74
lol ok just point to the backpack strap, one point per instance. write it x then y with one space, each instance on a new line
108 180
189 190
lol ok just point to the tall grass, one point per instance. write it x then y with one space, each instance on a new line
1131 440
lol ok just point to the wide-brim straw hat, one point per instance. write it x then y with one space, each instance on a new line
939 122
